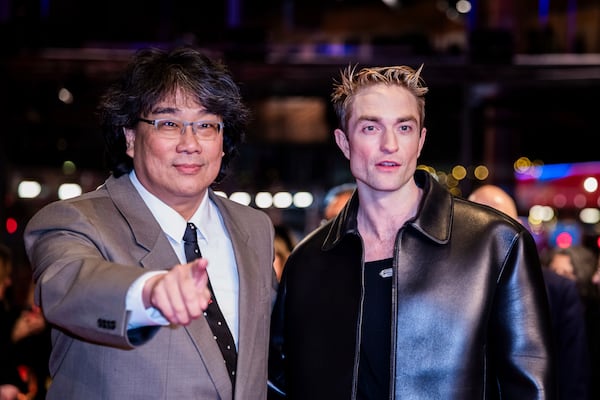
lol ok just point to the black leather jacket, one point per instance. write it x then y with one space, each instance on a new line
470 316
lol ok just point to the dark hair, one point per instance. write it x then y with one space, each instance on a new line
154 74
583 261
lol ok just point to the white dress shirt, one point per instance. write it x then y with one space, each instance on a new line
215 245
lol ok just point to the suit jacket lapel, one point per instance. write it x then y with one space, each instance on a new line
157 253
247 264
249 290
199 329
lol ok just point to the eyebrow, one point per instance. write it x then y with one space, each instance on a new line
408 119
378 119
165 110
174 110
368 118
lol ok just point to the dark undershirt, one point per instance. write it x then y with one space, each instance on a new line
374 364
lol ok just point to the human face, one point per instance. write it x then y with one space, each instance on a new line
177 171
561 264
384 138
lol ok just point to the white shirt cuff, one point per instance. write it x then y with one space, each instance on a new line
138 315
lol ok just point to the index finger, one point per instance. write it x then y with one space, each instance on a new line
198 270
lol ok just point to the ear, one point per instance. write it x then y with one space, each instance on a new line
129 141
422 140
342 142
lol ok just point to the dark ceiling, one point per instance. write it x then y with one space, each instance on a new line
483 105
498 95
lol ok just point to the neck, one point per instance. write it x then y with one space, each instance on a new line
383 216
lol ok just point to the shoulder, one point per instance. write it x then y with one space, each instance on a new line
443 216
244 220
480 214
483 223
237 210
64 210
114 206
322 239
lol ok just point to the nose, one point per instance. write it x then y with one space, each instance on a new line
389 141
188 140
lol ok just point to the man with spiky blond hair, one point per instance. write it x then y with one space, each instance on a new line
409 292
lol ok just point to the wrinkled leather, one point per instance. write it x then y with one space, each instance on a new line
470 314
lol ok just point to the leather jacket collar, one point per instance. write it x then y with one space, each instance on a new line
433 220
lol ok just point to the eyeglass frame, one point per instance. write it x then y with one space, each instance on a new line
185 124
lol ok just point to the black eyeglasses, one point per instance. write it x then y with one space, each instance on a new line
174 128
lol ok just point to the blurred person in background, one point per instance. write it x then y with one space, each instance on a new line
409 292
495 197
336 198
566 307
5 274
284 244
24 343
118 273
575 262
596 276
579 263
11 384
32 343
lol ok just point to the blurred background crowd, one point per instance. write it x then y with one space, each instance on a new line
514 88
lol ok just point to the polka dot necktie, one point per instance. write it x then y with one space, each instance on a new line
214 317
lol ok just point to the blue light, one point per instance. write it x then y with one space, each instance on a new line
543 11
555 171
45 8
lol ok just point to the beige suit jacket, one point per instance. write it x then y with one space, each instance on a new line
86 252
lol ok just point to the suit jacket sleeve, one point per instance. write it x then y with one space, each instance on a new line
81 276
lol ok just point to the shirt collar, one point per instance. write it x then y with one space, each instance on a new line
170 221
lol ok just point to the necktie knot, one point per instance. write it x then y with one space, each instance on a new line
190 243
190 233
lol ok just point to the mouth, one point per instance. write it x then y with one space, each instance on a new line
388 164
188 168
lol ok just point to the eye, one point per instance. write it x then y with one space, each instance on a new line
209 127
206 125
370 129
406 128
169 124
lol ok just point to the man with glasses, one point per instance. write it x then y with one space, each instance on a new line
131 308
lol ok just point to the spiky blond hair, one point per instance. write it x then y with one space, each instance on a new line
352 81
